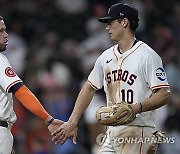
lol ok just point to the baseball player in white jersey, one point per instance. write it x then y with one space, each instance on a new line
129 71
10 84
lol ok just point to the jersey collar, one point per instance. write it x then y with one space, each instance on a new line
119 55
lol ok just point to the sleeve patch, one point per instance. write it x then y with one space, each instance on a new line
10 72
160 74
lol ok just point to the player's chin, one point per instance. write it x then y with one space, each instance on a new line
2 47
112 38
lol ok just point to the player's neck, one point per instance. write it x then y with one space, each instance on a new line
126 44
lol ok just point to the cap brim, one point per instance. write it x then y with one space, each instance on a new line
106 19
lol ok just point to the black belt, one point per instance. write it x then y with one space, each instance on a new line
3 124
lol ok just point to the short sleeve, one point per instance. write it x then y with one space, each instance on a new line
96 76
155 74
8 76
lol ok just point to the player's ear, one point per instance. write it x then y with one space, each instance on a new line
125 22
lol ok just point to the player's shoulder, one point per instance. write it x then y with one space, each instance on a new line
147 50
146 47
3 57
109 51
148 53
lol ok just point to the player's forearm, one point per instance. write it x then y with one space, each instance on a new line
83 100
160 98
27 98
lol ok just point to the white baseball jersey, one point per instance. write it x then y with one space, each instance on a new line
8 78
130 77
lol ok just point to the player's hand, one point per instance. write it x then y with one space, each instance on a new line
122 115
55 124
64 132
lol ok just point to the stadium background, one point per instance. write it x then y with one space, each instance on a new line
53 46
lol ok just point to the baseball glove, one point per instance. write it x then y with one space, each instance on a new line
108 115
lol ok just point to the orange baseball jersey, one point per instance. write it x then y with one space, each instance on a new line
130 76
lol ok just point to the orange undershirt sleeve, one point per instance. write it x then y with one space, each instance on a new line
29 100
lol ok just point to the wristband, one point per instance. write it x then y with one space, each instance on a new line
48 121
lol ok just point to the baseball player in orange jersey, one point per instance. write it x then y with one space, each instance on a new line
10 84
129 71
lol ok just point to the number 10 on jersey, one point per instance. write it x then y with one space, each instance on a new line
127 95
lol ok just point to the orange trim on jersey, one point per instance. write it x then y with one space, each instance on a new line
29 100
123 61
7 89
141 144
92 85
130 54
160 86
115 53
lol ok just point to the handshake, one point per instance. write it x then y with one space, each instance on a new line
61 131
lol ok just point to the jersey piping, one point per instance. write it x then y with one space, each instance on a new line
92 85
123 61
160 86
7 89
141 144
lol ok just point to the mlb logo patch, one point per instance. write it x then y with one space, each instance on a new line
160 74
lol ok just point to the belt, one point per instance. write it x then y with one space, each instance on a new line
3 124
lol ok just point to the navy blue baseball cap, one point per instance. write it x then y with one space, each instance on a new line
120 11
